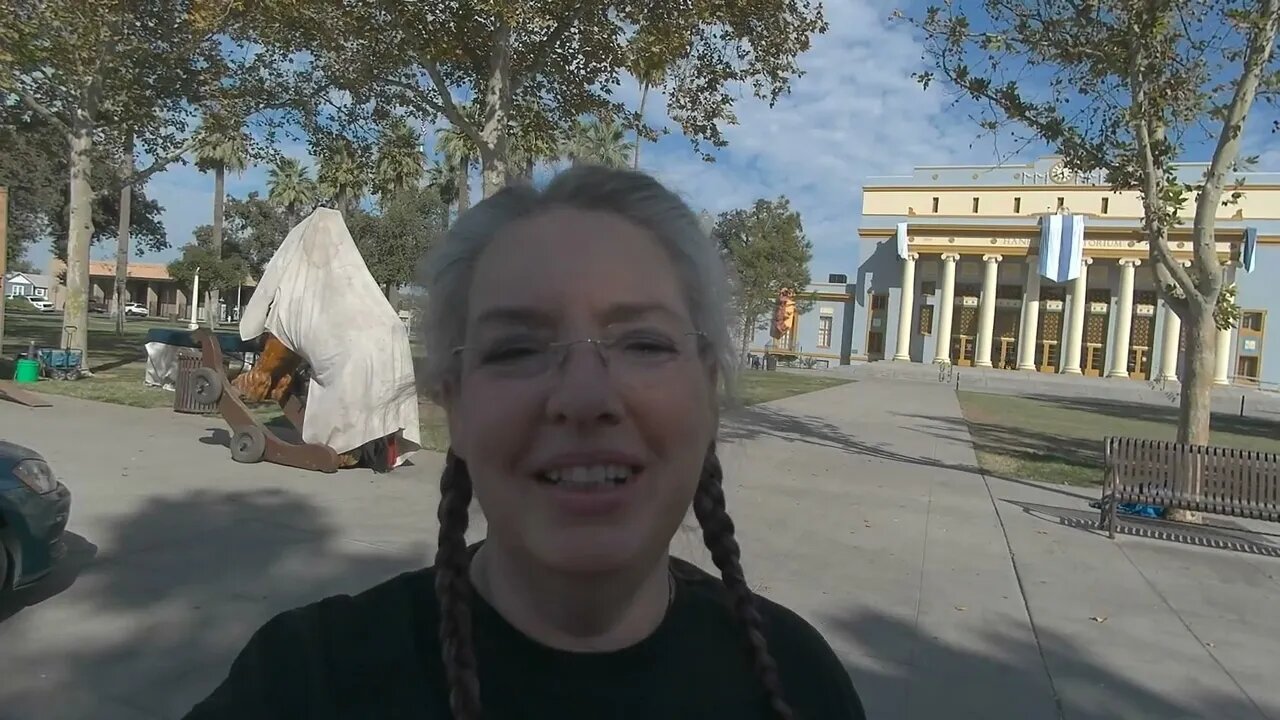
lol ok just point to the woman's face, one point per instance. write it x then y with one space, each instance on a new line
584 456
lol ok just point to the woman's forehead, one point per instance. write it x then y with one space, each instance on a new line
566 261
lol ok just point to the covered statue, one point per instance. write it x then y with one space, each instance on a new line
326 324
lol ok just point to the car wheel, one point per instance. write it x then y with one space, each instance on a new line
249 445
206 385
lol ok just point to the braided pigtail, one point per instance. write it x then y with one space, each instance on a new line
717 533
453 589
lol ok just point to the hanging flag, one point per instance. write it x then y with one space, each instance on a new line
1061 246
902 241
1249 252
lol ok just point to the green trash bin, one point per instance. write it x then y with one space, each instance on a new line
26 371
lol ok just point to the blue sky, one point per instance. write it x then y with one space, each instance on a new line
856 113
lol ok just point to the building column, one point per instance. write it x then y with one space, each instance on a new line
1124 319
1222 359
1170 337
946 305
1030 317
906 307
987 310
1079 310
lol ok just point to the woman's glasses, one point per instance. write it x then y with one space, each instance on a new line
631 354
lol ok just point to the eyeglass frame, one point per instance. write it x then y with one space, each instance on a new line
601 346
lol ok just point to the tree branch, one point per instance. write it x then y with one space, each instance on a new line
31 102
542 54
1257 56
449 108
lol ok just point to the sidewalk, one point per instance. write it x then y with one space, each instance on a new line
957 596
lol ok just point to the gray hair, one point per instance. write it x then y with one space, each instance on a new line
449 266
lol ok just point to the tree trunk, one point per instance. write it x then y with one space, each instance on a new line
464 184
747 325
219 201
120 291
494 162
1196 400
635 152
75 309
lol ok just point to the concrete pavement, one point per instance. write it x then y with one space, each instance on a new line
948 594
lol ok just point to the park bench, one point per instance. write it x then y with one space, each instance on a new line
1201 478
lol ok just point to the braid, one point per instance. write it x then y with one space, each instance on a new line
453 588
717 533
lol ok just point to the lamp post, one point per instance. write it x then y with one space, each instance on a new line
195 301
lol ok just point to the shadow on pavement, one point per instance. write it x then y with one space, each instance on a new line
903 673
1227 536
152 623
80 553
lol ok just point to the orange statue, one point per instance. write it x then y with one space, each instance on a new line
784 315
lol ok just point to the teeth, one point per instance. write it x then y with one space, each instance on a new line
589 475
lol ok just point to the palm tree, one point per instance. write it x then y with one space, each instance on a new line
649 73
599 142
291 187
341 176
399 162
529 147
220 152
459 154
442 178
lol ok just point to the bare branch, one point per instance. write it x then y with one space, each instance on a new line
35 105
449 108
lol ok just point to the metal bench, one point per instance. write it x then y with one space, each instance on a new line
1201 478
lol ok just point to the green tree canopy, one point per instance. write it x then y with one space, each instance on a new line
545 57
766 248
393 242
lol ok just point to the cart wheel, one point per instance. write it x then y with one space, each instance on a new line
249 445
206 385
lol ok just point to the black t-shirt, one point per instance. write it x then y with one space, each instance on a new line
377 655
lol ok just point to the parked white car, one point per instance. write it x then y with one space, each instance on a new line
137 309
39 304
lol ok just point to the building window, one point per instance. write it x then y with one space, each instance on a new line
935 204
1251 320
1062 202
975 205
879 301
928 287
824 331
1106 205
1017 205
926 319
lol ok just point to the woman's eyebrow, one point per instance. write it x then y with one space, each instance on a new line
513 315
625 312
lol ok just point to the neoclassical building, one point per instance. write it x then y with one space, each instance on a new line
1037 268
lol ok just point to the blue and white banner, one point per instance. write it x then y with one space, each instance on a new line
1249 251
1061 246
902 241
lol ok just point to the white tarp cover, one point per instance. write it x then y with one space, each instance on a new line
317 296
162 365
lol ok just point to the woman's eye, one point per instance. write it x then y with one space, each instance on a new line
509 353
647 345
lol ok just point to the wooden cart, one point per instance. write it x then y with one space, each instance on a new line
251 440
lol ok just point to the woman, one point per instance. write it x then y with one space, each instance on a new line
576 338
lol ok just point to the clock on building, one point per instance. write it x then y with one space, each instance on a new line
1059 173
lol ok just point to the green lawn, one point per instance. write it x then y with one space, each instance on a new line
1060 441
758 386
118 363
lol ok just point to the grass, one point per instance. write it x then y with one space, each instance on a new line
758 386
118 363
1060 440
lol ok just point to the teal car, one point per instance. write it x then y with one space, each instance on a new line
34 509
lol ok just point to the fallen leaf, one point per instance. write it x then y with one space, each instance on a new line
1099 619
1042 532
961 608
1209 644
